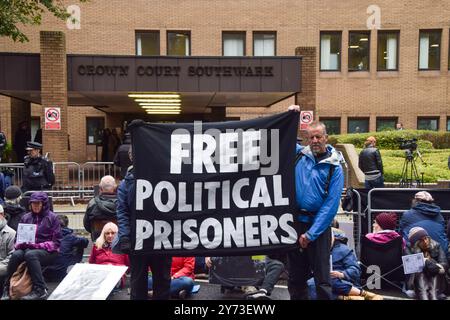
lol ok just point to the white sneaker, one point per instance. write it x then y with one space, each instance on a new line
261 294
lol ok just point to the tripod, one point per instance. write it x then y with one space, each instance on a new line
410 176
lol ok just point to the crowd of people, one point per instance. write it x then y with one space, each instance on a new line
322 267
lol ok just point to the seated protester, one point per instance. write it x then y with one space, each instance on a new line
41 253
102 251
70 252
274 267
102 208
7 235
425 283
345 274
13 210
425 214
182 277
384 229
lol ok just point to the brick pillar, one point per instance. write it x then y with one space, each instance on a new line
54 91
307 97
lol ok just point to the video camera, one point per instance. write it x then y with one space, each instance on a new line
408 144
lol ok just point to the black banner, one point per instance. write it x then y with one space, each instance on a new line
224 188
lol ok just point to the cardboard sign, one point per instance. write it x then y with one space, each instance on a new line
52 118
306 118
26 233
413 263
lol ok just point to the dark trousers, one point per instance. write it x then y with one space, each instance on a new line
35 259
160 267
274 268
316 259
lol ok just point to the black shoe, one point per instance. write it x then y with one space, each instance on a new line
36 294
5 295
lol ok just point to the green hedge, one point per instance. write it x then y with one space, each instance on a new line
390 139
435 168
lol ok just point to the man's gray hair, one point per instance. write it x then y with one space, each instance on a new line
108 184
318 124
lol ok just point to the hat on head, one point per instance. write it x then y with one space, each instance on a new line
387 220
33 145
423 196
416 233
12 192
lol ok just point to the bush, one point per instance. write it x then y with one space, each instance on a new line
390 139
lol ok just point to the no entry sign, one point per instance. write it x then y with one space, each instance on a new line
306 118
52 118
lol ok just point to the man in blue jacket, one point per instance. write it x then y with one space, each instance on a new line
139 263
425 214
319 180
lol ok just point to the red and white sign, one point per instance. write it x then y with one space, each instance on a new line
306 118
52 118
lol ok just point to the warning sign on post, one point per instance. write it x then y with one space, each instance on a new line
306 118
52 118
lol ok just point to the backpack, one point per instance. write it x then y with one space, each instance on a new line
347 201
20 283
299 156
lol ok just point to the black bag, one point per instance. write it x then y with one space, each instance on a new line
347 201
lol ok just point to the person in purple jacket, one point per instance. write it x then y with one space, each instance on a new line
41 253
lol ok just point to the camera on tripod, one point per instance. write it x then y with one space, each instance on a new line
408 144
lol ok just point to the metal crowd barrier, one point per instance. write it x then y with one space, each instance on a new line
92 172
444 211
14 169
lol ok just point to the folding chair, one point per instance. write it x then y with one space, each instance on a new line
387 257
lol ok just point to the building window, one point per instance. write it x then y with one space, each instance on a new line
35 126
333 125
94 129
448 124
358 125
330 51
147 43
428 123
233 44
264 43
385 124
178 43
430 49
358 51
388 50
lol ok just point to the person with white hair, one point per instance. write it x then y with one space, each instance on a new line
102 208
7 236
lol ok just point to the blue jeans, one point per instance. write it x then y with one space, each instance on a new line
377 183
176 285
339 287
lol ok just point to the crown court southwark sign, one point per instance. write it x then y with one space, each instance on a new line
194 74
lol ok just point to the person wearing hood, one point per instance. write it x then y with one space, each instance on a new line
319 180
425 283
121 159
424 213
384 229
102 208
7 235
139 263
13 209
40 253
345 273
70 252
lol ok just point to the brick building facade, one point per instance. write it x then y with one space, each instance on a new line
346 98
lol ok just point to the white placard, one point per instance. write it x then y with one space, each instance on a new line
26 233
91 139
413 263
88 282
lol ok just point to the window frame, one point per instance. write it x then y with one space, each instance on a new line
87 131
368 50
440 49
338 119
358 118
437 118
253 42
234 32
320 50
395 119
186 32
448 124
158 32
397 32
